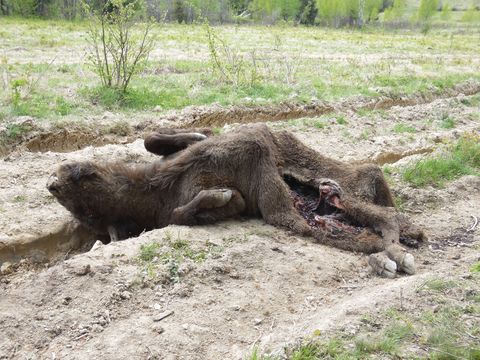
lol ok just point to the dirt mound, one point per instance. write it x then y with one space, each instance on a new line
66 140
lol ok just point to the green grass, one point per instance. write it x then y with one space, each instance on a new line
255 355
149 251
14 131
317 124
62 107
471 100
177 96
341 120
19 199
217 130
401 128
462 158
447 122
443 333
306 352
159 258
438 285
36 105
304 124
136 98
182 249
42 105
387 343
475 267
366 134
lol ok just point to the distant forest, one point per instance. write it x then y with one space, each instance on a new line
309 12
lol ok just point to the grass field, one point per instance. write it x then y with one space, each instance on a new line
46 74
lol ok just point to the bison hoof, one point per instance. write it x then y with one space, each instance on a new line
408 264
222 197
382 265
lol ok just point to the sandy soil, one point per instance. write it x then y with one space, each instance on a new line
258 286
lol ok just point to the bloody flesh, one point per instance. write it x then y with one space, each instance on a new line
317 211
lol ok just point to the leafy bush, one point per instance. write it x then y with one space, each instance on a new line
119 43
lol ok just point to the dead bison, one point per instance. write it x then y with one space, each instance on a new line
250 172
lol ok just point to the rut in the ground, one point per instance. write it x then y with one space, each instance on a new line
63 140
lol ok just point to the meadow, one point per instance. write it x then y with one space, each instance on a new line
46 75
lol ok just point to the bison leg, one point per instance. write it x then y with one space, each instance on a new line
209 206
113 233
167 144
302 162
382 265
384 221
123 229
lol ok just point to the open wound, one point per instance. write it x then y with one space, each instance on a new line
321 208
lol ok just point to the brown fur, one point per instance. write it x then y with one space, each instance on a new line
248 165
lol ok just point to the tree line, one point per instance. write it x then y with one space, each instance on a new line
335 13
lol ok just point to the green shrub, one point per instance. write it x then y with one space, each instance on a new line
117 51
447 123
228 64
62 106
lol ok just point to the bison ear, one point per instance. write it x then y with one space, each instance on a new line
82 170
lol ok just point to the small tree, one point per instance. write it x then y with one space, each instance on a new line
119 43
308 12
425 13
427 9
229 65
446 12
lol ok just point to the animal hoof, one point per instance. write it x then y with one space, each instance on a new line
382 265
222 197
408 264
